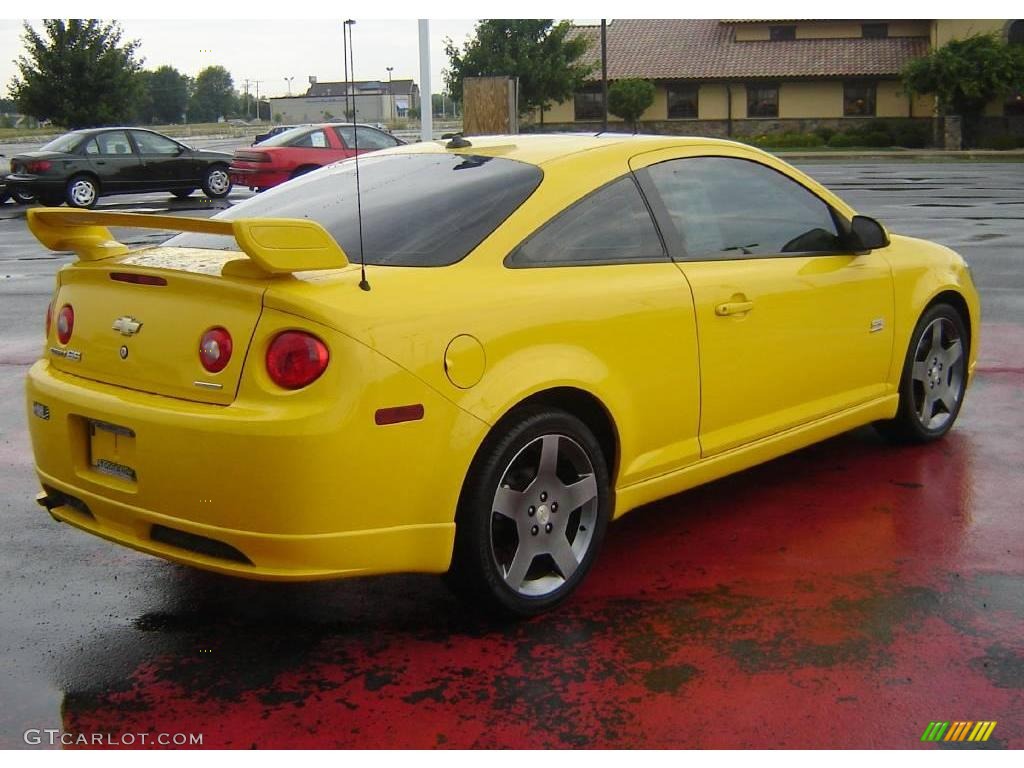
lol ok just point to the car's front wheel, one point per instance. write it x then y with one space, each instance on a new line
216 181
82 192
934 378
532 514
24 198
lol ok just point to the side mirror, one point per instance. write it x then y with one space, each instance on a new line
867 234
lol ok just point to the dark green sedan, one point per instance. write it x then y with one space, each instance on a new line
81 166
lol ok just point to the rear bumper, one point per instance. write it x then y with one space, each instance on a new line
301 485
256 178
35 185
262 556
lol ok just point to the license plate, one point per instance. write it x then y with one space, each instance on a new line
112 450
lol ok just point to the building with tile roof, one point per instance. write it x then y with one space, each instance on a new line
748 76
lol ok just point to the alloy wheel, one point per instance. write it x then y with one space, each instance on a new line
938 374
544 515
218 181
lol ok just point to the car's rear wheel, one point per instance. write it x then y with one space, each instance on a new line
303 171
81 192
532 515
216 181
182 194
24 198
934 378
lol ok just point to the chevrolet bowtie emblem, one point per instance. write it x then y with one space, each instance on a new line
127 326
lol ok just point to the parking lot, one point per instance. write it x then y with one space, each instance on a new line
842 596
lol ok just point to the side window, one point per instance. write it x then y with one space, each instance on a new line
727 208
152 144
369 138
91 147
114 143
316 139
611 226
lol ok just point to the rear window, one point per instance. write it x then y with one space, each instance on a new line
285 137
419 210
65 143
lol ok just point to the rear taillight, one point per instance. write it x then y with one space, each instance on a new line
296 359
65 324
249 156
49 318
215 349
37 166
137 279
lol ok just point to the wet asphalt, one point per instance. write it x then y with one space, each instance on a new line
845 595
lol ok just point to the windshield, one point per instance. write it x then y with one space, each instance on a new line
284 137
65 143
419 210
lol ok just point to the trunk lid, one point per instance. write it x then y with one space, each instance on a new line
161 354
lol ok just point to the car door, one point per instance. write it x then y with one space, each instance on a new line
166 165
113 158
793 325
610 290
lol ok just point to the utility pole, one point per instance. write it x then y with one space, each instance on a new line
258 98
391 95
604 74
426 115
344 56
247 98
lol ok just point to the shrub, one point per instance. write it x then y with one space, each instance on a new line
825 133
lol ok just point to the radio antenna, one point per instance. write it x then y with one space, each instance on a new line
350 64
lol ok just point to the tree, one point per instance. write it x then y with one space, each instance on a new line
213 96
168 92
537 51
629 99
965 75
77 73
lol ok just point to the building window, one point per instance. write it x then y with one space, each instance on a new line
589 105
859 99
682 101
763 100
787 32
874 31
1015 34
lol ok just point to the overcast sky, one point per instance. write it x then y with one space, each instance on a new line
270 50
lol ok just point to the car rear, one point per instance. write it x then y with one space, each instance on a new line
199 404
258 168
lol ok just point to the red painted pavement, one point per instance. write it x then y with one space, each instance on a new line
843 596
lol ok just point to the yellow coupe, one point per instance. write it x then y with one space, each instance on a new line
548 332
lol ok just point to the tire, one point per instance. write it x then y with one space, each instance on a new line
51 201
217 182
933 380
182 194
24 198
4 195
516 552
82 191
303 171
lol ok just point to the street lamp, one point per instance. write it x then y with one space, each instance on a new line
391 95
289 81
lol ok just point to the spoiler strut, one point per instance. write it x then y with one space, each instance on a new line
275 246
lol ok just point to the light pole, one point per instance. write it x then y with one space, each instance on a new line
289 81
349 95
391 96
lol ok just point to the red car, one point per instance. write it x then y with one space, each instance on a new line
301 150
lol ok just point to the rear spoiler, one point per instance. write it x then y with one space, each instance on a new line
275 246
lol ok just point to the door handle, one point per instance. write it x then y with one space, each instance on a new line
734 308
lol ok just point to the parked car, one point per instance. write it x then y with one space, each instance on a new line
303 149
551 331
80 167
272 132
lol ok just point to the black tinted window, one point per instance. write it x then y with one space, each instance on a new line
419 210
726 208
611 226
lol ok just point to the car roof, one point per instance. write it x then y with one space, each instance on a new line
539 149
